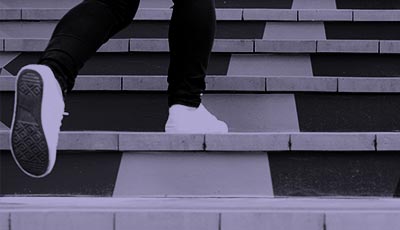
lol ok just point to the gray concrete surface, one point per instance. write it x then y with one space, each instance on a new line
270 14
247 142
160 141
273 221
61 221
294 30
255 112
270 65
369 85
190 204
167 221
363 221
325 15
333 141
166 174
307 84
314 4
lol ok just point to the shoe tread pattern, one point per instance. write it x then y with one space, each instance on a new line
28 140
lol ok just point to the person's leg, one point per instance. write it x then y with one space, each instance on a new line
39 103
191 37
81 32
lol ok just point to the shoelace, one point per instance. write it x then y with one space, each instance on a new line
61 118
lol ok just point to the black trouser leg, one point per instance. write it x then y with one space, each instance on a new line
81 32
191 36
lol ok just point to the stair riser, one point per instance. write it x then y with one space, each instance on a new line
119 111
142 64
230 30
286 4
216 174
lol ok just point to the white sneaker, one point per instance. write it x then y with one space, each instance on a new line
184 119
38 112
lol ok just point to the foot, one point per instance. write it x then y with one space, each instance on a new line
184 119
38 112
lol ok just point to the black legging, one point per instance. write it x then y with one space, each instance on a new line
91 23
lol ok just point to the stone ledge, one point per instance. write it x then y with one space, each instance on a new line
220 45
225 14
30 44
160 142
388 141
115 45
149 44
276 141
61 220
181 204
325 15
233 45
389 47
333 142
353 221
235 83
40 44
166 220
151 83
145 83
10 14
153 14
301 84
247 142
142 14
223 45
87 83
43 14
347 46
376 15
368 85
269 15
269 220
165 14
86 140
229 14
286 46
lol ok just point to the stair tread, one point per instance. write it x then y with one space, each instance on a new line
47 12
255 84
272 141
200 204
304 46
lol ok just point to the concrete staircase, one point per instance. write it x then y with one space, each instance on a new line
308 88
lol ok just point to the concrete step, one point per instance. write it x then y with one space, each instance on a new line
243 30
151 3
228 64
237 13
213 214
243 112
217 174
227 46
282 4
223 84
128 141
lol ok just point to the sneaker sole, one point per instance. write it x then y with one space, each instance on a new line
28 141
